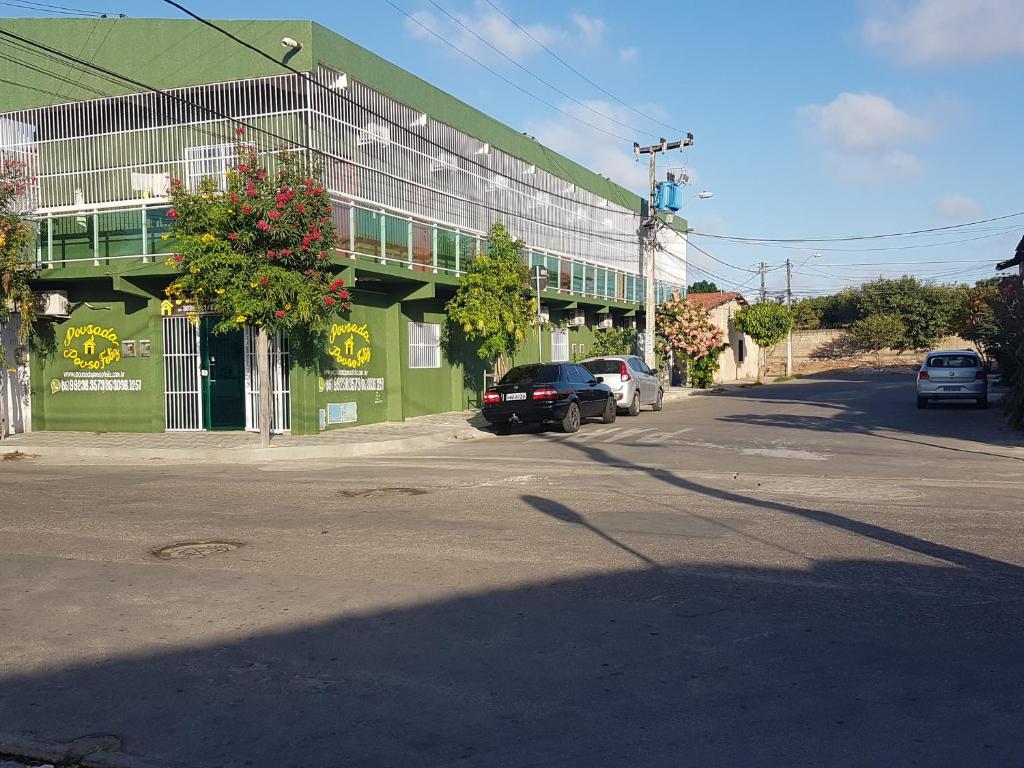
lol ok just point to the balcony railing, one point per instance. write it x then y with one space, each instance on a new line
104 235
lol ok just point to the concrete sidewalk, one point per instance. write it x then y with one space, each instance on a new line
243 447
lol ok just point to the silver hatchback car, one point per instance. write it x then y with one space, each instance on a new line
631 381
952 374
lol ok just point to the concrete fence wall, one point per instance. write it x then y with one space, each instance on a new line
823 348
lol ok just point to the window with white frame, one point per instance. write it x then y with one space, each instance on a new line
212 161
424 345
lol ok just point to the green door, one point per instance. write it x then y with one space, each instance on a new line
223 359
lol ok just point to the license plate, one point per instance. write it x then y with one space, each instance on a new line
952 389
515 396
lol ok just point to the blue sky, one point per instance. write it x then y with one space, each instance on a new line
812 119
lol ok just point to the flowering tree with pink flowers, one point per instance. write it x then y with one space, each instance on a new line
259 251
686 329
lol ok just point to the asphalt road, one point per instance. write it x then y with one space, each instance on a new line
806 574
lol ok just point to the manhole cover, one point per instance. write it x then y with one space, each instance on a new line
358 493
194 549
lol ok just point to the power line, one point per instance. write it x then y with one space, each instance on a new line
715 258
29 5
494 72
536 77
847 238
1001 233
579 74
285 140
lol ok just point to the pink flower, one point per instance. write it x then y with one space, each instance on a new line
178 258
243 168
279 314
233 236
234 198
246 209
271 255
329 301
250 188
172 214
274 215
262 225
264 281
240 131
262 174
175 182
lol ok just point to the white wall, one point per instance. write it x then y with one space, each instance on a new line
731 368
670 264
15 402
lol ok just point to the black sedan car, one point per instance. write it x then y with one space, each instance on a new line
559 393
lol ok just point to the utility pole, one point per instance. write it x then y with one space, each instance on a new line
762 268
789 306
649 230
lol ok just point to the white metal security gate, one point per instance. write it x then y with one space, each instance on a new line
280 386
183 400
559 345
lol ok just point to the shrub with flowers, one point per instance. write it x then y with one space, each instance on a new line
259 251
686 329
15 246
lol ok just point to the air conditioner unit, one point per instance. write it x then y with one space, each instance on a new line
544 313
52 304
374 134
606 322
578 318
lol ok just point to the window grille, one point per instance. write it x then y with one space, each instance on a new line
212 161
559 344
424 345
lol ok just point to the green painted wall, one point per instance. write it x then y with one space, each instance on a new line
104 391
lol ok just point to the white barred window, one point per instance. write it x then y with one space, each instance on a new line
424 345
213 161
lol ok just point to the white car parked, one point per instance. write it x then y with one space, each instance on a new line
629 378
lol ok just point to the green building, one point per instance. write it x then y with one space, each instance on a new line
416 178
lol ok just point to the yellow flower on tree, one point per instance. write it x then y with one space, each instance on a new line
165 236
208 238
194 270
240 319
220 291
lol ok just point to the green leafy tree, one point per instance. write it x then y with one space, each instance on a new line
975 318
1008 347
767 324
927 311
15 257
493 303
615 341
875 333
259 252
702 286
808 313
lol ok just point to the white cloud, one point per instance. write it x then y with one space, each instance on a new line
629 55
592 148
591 29
957 207
502 34
950 30
864 136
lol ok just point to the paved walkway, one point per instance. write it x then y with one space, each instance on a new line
233 447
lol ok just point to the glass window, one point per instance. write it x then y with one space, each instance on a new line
73 237
397 243
447 245
577 278
528 374
209 162
603 366
952 361
422 246
424 345
579 375
158 225
588 279
565 276
367 233
120 233
342 215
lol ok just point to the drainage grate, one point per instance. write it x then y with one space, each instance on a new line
194 549
361 493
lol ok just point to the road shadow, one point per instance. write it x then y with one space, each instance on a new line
880 405
846 663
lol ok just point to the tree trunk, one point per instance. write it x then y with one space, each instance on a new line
263 376
500 368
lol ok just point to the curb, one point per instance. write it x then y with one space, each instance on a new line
25 749
251 455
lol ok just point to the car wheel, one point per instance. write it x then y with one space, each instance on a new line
634 407
571 422
610 411
983 402
659 401
922 402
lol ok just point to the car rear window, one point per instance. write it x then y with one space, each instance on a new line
527 374
952 361
603 366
